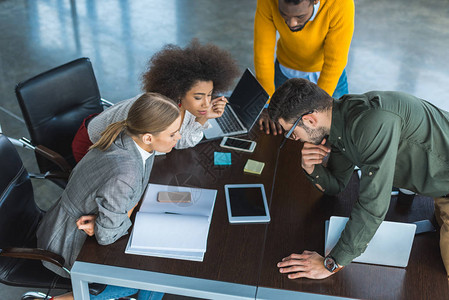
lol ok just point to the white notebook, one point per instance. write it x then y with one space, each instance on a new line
172 230
391 245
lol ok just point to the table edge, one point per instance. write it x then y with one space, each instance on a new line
270 293
83 272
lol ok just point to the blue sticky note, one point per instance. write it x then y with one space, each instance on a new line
222 158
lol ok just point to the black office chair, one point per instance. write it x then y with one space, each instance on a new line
20 263
20 260
54 104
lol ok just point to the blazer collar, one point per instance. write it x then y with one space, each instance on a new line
126 142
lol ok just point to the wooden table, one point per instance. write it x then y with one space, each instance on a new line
298 212
240 262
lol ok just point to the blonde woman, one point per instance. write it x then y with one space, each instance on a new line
108 183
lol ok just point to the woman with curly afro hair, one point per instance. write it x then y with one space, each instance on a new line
189 76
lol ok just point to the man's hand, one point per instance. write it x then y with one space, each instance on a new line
309 264
87 224
312 155
265 123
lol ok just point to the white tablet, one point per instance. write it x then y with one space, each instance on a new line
246 203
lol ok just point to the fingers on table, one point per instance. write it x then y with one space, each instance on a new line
273 127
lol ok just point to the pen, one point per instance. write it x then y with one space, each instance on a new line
229 103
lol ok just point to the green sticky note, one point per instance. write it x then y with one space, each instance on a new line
254 167
222 158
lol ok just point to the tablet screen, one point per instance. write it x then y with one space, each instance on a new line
246 201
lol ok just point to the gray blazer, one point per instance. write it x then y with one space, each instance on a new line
107 184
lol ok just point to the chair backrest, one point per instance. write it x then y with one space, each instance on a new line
19 214
19 218
54 104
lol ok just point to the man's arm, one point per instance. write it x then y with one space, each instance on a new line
377 137
264 45
336 45
330 179
377 140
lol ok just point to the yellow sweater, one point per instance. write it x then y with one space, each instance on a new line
322 45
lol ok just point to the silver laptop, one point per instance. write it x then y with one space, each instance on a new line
390 246
245 105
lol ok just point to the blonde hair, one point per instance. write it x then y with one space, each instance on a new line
150 113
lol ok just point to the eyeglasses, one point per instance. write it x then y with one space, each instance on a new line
289 133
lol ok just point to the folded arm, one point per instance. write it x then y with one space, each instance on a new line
114 202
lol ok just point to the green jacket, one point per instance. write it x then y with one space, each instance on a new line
396 140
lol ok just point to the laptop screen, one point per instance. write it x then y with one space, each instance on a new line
248 99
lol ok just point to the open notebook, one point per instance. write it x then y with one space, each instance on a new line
172 230
391 245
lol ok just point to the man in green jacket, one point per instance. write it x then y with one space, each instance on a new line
394 138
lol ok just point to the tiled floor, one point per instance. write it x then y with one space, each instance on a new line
397 45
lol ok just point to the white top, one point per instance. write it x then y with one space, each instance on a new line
191 131
145 154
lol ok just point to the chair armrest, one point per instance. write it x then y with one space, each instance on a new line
50 175
49 154
51 257
54 157
34 253
20 143
56 175
106 103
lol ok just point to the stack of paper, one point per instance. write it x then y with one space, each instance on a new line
172 230
253 166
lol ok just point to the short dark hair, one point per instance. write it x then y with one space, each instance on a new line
296 97
296 2
174 70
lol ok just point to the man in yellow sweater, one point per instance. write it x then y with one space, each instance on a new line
314 39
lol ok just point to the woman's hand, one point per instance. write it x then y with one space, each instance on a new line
87 224
217 107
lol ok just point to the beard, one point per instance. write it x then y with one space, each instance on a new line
296 29
315 136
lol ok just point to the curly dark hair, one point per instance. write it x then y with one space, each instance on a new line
174 70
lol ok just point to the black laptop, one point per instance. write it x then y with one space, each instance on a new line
246 103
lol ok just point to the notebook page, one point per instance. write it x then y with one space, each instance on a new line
170 232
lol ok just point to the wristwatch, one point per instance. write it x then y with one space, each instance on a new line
331 264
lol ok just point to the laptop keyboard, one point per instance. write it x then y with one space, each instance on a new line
228 122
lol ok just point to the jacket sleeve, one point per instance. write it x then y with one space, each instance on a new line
335 176
377 141
264 45
114 200
336 44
